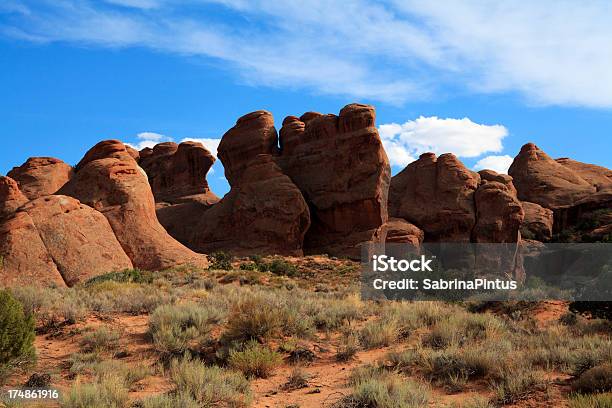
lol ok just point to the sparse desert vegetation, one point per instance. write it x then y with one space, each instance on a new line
251 336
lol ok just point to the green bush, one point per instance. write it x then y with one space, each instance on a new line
16 330
128 275
255 360
221 260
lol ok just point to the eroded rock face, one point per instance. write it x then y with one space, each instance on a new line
177 172
499 213
25 259
400 231
252 135
540 179
264 213
341 168
109 180
41 176
538 222
437 195
11 198
78 238
598 176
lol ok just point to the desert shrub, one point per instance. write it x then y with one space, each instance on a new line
374 388
169 401
210 386
348 347
221 260
475 402
52 306
517 385
101 339
176 328
590 401
110 392
254 360
83 362
279 266
298 379
133 298
594 380
128 275
253 318
568 319
379 333
463 327
16 330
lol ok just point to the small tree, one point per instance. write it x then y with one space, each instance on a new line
16 330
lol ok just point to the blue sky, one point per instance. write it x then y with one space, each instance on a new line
475 78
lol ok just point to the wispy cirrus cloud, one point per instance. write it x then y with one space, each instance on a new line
393 51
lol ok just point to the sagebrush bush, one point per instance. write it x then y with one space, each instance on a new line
210 386
253 318
594 380
518 384
16 330
221 260
173 400
176 328
101 339
379 333
110 392
372 387
254 360
348 347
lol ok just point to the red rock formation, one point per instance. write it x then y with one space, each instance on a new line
252 135
538 222
400 231
25 259
109 180
341 168
540 179
598 176
41 176
179 171
78 238
437 195
11 198
498 213
264 213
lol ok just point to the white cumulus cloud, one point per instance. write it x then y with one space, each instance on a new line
462 137
499 164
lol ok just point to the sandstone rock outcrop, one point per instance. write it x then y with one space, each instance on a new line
11 198
109 180
499 213
177 171
437 195
253 134
264 213
538 222
400 231
41 176
25 259
598 176
342 170
540 179
78 238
